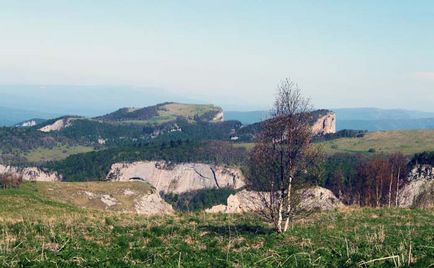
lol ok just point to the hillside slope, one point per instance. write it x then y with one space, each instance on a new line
37 231
407 142
165 112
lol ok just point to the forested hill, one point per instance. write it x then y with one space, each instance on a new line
165 112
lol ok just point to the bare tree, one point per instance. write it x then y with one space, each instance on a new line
282 152
398 169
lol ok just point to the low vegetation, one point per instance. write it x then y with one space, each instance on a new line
55 153
37 231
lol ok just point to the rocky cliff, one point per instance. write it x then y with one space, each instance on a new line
419 191
323 122
30 173
58 124
177 178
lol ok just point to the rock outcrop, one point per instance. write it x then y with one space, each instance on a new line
317 198
309 199
323 122
177 178
30 173
58 124
152 204
219 117
419 190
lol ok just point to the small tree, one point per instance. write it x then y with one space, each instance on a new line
283 152
9 180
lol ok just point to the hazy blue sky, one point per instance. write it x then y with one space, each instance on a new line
233 53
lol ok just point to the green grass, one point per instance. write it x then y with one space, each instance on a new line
170 112
38 232
56 153
406 142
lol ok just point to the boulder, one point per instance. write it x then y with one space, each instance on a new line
308 199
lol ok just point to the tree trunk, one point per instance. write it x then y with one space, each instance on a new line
397 188
280 217
390 188
288 205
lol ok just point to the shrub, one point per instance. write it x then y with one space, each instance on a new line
9 180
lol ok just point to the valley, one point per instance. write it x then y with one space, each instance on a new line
169 185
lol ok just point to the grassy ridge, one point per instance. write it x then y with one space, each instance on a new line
35 231
407 142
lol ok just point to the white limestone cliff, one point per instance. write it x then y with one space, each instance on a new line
325 124
177 178
30 173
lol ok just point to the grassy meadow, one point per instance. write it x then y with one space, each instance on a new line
407 142
37 231
56 153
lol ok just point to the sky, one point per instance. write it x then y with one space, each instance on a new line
230 53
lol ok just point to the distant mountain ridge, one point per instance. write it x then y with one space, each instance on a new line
165 112
379 114
10 116
359 118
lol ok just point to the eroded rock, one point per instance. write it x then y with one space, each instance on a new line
178 178
30 173
309 199
152 204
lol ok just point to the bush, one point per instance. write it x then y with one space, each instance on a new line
8 180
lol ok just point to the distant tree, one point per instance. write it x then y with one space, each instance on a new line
8 180
282 152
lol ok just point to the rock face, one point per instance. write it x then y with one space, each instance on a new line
30 173
422 172
417 194
152 204
58 124
310 199
177 178
219 117
324 122
317 198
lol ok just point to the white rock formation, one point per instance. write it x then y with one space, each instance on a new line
219 117
108 200
325 124
309 199
409 194
30 173
143 204
241 202
58 124
317 198
178 178
152 204
29 123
